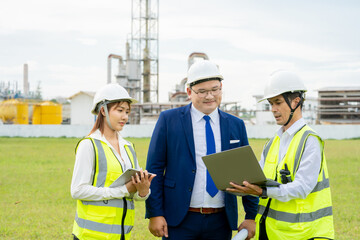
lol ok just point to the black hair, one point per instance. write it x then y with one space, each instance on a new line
292 95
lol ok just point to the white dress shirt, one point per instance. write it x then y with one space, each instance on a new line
81 184
309 168
200 197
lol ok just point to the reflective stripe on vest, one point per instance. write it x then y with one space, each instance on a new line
107 219
267 148
100 227
297 218
131 153
300 149
101 164
110 203
325 183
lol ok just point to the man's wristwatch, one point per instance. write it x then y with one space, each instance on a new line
264 193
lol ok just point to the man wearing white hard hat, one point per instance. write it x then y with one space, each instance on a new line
184 202
300 208
104 211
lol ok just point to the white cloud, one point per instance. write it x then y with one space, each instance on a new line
85 16
88 41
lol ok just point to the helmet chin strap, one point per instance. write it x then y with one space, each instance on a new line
289 104
104 104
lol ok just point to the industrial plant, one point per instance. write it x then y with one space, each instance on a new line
138 73
26 107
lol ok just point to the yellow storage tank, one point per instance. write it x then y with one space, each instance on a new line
47 113
14 111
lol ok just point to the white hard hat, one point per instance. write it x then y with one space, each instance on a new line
110 93
201 70
281 82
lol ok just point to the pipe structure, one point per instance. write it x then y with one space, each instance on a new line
111 56
194 55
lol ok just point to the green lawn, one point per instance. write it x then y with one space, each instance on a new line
35 176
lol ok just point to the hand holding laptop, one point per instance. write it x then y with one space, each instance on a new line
245 189
236 165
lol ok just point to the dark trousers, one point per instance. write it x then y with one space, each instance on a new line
197 226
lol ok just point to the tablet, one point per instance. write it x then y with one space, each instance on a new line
125 177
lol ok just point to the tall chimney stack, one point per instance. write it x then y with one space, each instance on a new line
26 80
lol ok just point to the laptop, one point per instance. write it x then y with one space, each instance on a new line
236 165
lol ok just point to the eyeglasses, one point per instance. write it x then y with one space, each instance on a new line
203 93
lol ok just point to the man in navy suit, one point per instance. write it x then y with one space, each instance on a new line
180 206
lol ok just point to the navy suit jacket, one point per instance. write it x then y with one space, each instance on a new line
171 156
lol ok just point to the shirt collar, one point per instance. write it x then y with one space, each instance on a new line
198 116
97 135
293 129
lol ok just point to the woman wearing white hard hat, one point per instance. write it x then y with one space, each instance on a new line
105 211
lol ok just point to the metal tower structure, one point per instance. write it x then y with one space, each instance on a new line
145 46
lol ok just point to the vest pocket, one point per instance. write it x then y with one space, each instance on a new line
290 215
290 226
113 176
100 214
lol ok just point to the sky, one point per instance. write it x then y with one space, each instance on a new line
66 43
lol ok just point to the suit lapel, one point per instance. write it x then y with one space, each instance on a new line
186 122
224 130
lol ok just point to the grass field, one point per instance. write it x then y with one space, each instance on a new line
35 176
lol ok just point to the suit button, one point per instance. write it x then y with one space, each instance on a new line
190 189
193 171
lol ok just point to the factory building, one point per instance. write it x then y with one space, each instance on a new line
81 104
264 115
339 105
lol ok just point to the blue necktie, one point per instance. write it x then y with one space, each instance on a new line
210 145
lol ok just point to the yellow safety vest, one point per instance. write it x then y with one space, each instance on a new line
300 219
109 219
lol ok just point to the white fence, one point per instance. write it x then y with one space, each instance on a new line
138 131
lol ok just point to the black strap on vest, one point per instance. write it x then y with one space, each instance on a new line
123 220
262 227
